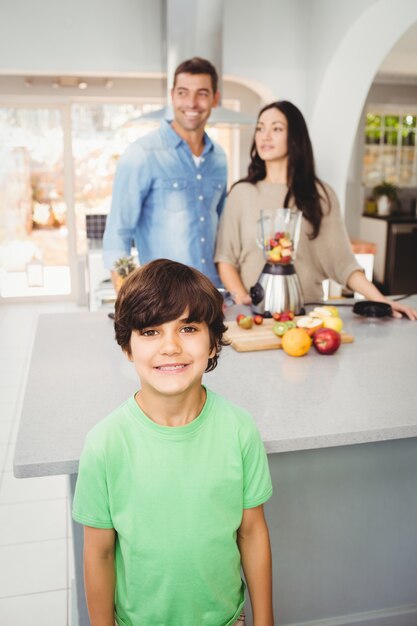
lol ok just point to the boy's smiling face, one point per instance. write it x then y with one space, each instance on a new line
170 358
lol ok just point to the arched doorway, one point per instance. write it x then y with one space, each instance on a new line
346 83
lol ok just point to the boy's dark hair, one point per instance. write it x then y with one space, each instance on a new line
197 65
160 292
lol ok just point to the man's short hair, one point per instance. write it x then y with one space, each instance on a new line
160 292
197 65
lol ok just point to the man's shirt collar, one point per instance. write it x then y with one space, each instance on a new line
174 140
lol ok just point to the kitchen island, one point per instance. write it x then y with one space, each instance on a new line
341 436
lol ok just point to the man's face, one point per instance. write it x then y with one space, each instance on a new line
192 101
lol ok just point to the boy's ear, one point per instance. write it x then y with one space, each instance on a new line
128 355
213 352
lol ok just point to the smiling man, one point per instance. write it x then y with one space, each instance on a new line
170 185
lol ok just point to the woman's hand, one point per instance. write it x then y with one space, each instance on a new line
357 281
241 297
231 279
401 310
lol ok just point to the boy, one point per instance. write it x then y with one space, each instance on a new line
171 484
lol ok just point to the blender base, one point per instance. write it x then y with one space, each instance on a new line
276 293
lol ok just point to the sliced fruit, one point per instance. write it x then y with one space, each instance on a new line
290 324
296 342
310 324
275 254
320 312
285 243
280 328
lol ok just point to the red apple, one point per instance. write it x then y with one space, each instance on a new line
246 322
240 317
287 316
326 340
258 319
276 316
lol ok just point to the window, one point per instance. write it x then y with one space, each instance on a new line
390 148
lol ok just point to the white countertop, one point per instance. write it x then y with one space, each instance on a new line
365 392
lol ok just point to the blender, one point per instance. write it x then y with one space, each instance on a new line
278 288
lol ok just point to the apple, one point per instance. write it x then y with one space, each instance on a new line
240 317
286 316
326 340
258 319
310 324
276 316
246 322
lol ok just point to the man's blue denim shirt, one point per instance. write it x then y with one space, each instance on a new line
166 204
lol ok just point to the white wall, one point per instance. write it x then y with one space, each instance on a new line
81 36
265 41
321 54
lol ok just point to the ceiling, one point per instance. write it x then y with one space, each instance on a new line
400 64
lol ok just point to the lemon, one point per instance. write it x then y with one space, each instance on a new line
333 322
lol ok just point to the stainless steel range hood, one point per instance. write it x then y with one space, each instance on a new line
195 28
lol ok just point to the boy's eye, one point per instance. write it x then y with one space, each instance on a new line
188 329
148 332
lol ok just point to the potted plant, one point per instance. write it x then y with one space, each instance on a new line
385 195
123 267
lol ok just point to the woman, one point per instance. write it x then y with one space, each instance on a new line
282 174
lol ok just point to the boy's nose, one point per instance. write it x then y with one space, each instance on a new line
171 344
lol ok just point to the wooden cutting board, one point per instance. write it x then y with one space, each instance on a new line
261 337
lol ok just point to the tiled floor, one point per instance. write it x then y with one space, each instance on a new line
36 563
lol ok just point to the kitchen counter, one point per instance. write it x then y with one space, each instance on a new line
298 403
342 516
393 217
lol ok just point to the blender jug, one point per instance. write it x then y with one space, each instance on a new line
278 288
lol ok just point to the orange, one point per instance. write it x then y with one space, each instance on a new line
296 342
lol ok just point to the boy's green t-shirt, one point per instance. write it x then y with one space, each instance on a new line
175 497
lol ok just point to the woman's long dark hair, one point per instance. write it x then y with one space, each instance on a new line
301 176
